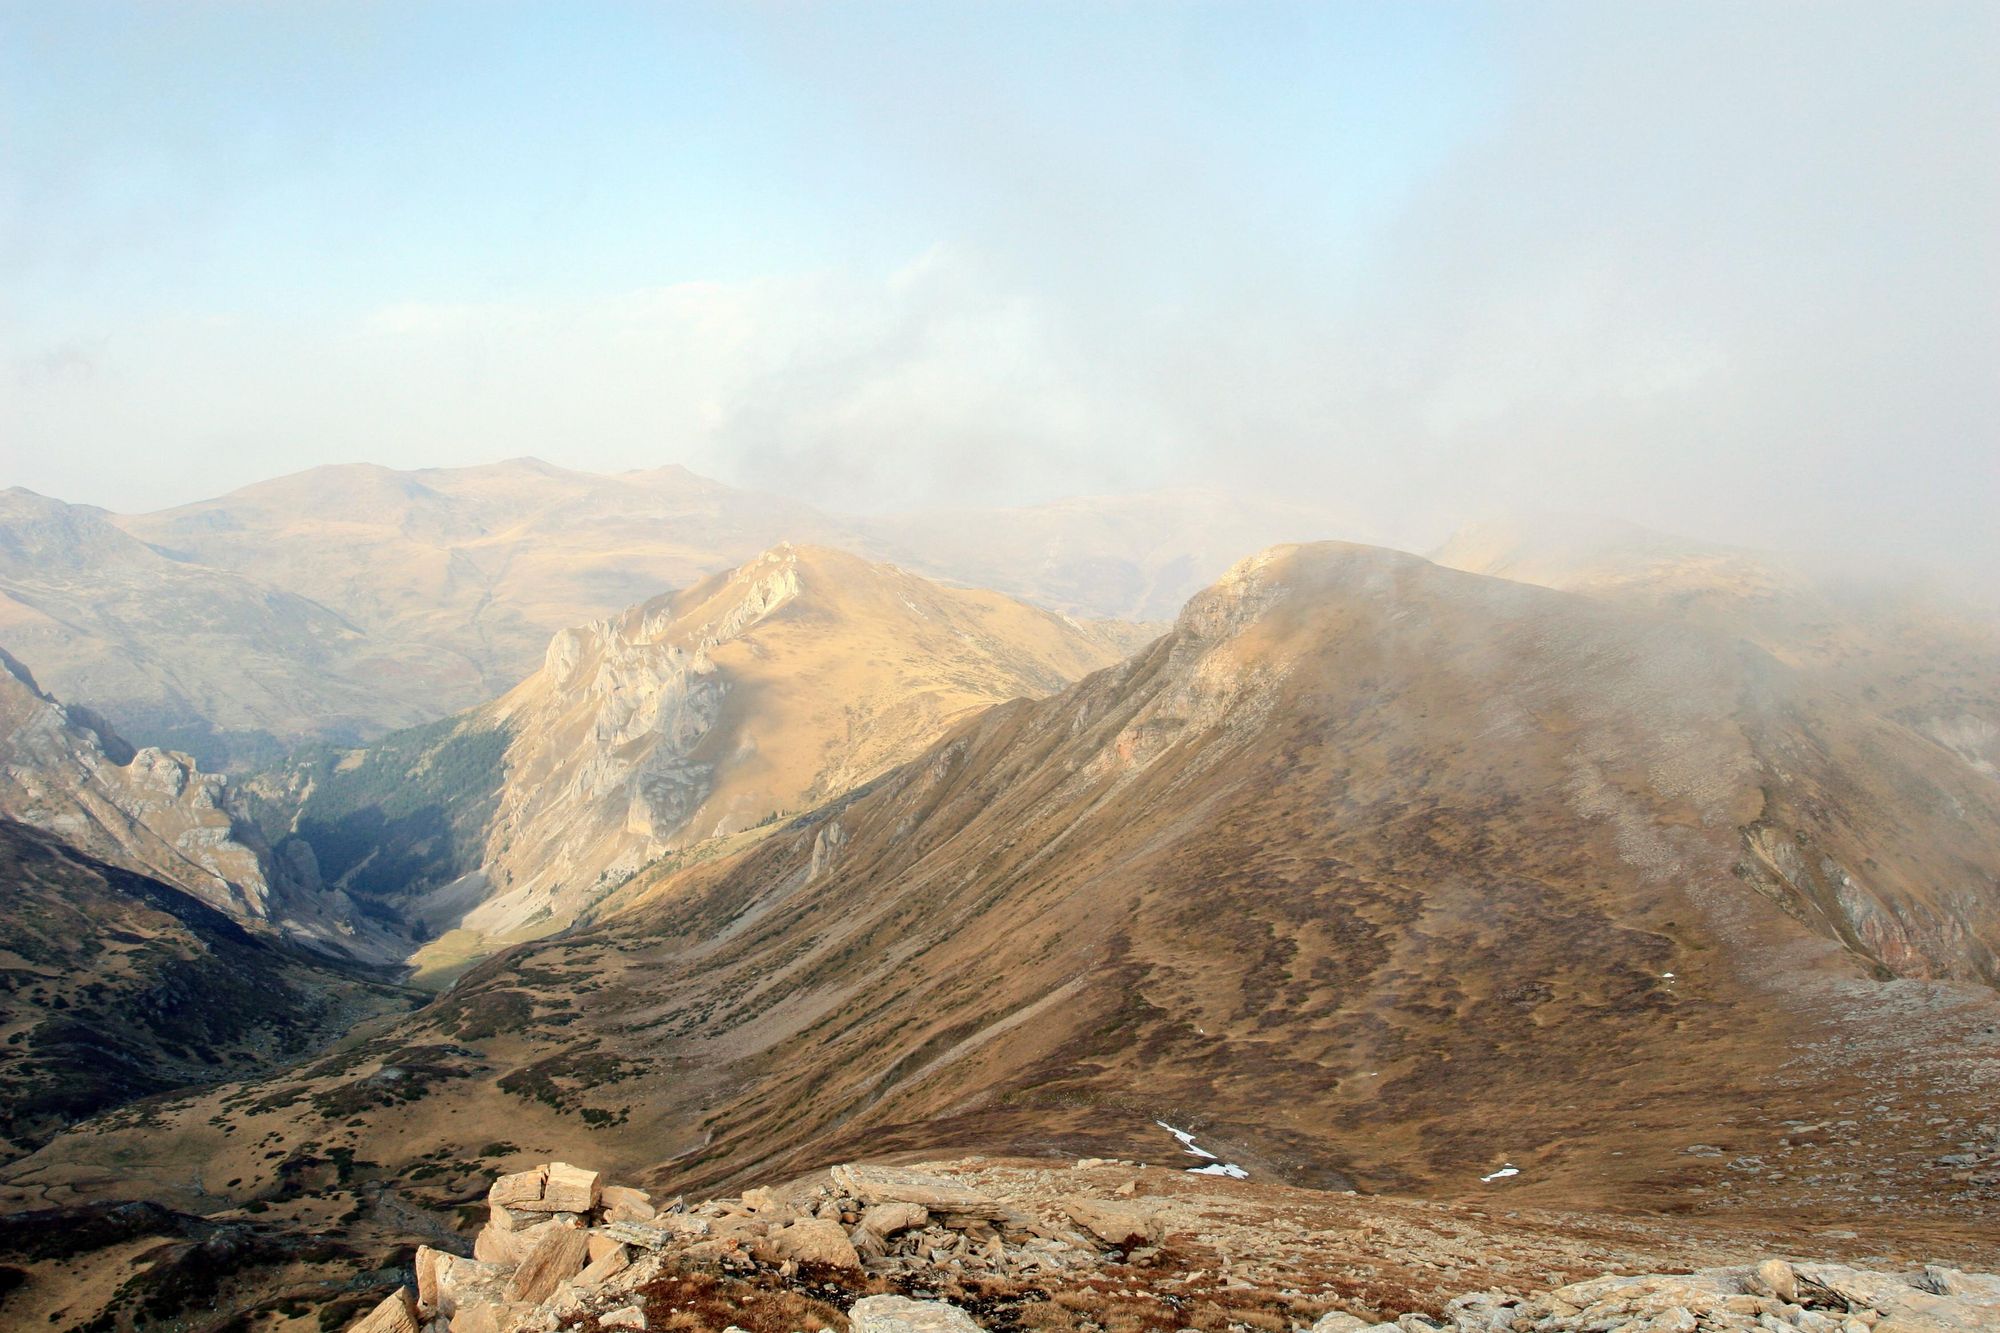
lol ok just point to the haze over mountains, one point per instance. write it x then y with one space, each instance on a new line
347 601
1382 872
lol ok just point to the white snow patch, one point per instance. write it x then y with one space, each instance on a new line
1215 1166
1508 1170
1187 1140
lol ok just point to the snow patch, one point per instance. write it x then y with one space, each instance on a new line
1215 1166
1508 1170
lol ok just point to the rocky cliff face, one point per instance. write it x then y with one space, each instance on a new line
149 810
154 811
687 723
751 696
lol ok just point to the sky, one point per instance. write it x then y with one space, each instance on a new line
1727 269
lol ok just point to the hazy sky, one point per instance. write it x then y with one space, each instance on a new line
1729 269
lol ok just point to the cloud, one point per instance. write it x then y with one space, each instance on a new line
1723 269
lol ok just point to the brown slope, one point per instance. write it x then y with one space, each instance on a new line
478 564
115 986
1370 871
218 663
695 716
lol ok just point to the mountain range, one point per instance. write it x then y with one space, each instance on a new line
1606 868
344 602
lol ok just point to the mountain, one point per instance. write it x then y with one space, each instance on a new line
345 602
1893 646
1135 557
205 660
478 564
118 986
154 811
1371 873
694 716
149 810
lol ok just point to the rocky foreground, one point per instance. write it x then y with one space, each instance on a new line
1104 1247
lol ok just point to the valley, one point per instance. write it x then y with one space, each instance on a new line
1372 874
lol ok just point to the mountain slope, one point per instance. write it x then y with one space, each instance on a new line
479 563
115 986
1371 872
694 716
149 810
216 663
153 811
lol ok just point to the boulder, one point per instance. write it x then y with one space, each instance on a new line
605 1266
560 1255
1338 1321
900 1314
512 1219
886 1219
521 1187
889 1184
490 1317
494 1246
396 1314
622 1204
761 1200
565 1189
1117 1223
1776 1277
461 1283
625 1316
814 1240
426 1265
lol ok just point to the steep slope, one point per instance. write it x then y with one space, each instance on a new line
1371 873
691 717
115 986
153 811
149 810
1909 675
222 665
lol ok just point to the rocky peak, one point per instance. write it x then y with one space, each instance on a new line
704 712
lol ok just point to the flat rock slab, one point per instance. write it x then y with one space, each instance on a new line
900 1314
658 1234
886 1219
623 1204
557 1257
1115 1223
522 1186
889 1184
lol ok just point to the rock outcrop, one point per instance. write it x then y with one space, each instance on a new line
63 770
587 1269
706 714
